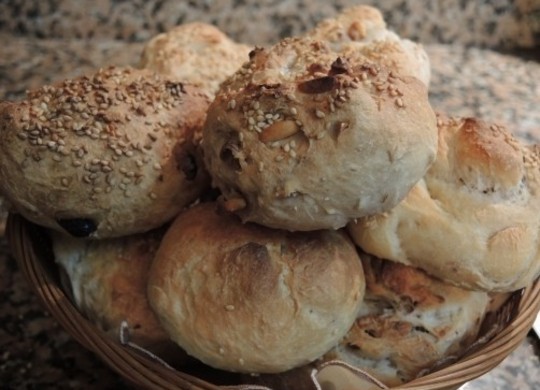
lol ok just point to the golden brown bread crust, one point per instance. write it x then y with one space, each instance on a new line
308 140
408 322
110 154
473 219
107 281
242 297
197 52
361 31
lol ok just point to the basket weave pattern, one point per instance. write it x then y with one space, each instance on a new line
29 247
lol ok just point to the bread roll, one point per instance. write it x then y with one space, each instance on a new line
473 219
300 139
408 322
245 298
103 156
361 31
197 52
107 281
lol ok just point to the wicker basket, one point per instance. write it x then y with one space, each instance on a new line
31 249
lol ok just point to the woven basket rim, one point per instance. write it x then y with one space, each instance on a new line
149 373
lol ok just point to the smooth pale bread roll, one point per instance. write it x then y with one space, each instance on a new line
473 219
107 282
197 52
361 31
409 322
301 139
106 155
245 298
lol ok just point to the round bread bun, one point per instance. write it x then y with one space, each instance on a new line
408 322
301 139
245 298
197 52
473 219
107 282
106 155
361 31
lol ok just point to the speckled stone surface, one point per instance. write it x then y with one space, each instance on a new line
493 23
53 40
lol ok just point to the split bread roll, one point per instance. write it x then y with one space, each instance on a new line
409 321
361 31
245 298
197 52
473 219
107 282
107 155
301 139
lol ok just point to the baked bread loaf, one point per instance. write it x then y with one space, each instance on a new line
106 155
107 281
245 298
408 322
473 219
361 31
301 139
197 52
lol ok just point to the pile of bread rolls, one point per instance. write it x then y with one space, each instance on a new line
260 210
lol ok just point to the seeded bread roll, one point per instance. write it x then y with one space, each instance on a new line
408 322
197 52
301 139
107 155
473 219
361 31
242 297
107 281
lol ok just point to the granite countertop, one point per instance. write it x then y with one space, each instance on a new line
44 42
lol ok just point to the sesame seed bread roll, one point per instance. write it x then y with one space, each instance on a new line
409 321
301 139
362 31
107 282
111 154
245 298
473 219
197 52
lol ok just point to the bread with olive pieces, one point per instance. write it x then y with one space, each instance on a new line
301 139
246 298
107 282
473 219
361 31
409 322
197 52
105 155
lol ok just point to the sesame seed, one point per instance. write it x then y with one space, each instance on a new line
319 114
229 307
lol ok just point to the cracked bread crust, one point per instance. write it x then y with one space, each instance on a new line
245 298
